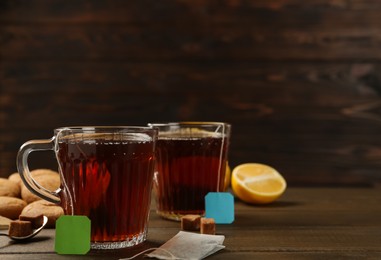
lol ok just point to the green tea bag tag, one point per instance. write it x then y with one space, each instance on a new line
73 235
220 206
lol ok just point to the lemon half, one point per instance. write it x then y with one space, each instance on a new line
257 183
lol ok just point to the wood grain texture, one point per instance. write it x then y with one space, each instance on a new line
305 223
300 81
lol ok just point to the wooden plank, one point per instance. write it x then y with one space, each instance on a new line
180 42
145 11
298 94
309 238
349 79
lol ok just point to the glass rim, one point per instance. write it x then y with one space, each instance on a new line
79 129
189 123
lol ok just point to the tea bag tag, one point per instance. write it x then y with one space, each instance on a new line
187 245
220 207
72 235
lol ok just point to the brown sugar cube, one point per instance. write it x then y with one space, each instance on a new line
36 219
20 228
207 226
190 222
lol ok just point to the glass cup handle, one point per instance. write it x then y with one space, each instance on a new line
23 169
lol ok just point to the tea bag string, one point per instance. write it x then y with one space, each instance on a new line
63 180
173 257
221 152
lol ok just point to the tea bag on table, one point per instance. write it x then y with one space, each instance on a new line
187 245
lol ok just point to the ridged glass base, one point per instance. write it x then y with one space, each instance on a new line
120 244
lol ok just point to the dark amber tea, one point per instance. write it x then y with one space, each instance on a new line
106 174
109 181
191 162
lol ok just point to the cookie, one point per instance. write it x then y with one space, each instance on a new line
9 188
15 177
11 207
48 209
48 179
44 172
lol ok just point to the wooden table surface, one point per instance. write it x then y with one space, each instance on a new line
306 223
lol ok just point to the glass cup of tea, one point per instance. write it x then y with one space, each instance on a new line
191 160
106 174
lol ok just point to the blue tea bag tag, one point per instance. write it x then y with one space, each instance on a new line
220 206
72 235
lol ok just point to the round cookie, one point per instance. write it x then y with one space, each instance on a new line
48 179
39 172
48 209
9 188
15 177
11 207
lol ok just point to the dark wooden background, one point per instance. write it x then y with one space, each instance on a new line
300 81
